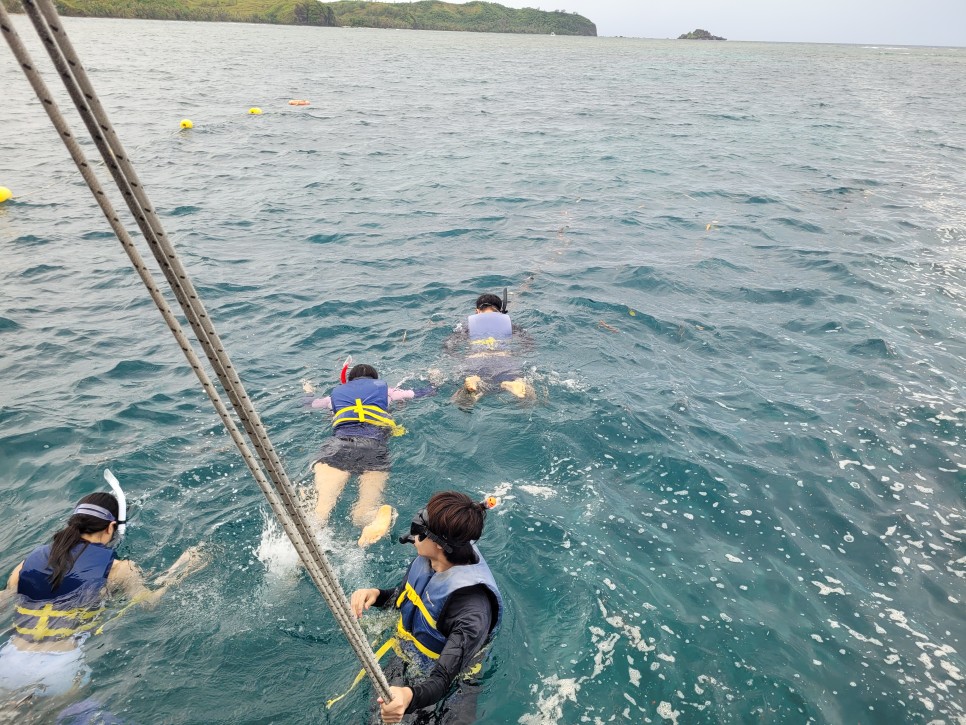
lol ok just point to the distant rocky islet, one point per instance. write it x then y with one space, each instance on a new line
699 34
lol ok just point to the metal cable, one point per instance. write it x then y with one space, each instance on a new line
326 585
281 497
326 580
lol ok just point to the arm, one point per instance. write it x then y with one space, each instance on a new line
126 576
362 599
397 394
468 619
12 581
523 341
455 342
310 401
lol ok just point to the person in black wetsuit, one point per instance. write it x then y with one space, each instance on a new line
449 609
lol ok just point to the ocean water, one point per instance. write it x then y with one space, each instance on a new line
739 495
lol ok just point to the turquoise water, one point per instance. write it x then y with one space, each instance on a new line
739 496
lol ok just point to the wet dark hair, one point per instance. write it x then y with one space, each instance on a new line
458 519
60 559
363 371
488 300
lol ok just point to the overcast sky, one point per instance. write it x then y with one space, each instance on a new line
878 22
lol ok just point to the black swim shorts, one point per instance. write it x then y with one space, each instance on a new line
355 455
493 369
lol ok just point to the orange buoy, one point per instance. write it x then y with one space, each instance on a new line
298 102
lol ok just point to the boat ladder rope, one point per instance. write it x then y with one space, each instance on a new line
279 491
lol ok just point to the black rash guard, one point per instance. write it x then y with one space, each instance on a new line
466 623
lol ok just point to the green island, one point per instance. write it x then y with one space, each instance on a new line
700 34
479 17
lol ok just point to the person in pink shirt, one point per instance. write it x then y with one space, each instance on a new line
362 426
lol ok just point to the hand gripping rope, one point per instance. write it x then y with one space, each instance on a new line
279 492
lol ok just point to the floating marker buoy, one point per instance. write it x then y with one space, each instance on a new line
254 111
5 194
298 102
186 123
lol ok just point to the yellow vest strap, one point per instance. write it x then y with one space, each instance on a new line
403 633
387 645
410 594
372 414
135 600
42 628
489 342
48 611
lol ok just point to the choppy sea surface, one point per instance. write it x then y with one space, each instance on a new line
739 494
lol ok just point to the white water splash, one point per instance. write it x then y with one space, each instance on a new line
551 700
276 552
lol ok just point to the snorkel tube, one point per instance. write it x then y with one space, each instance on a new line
503 309
121 501
345 370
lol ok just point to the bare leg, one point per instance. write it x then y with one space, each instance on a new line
369 512
329 483
192 560
518 388
472 390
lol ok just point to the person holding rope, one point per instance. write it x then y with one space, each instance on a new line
60 590
449 610
362 427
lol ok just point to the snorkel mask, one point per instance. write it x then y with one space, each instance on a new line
419 527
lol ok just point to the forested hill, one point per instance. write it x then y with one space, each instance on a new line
481 17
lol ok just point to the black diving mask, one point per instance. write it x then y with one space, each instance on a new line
419 527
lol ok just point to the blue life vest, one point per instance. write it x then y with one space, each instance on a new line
424 598
361 409
421 603
487 330
73 607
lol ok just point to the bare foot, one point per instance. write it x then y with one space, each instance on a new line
472 384
379 526
518 388
307 387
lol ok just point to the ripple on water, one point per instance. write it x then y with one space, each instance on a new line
737 495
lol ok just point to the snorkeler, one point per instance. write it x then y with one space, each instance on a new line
489 361
359 446
449 610
60 590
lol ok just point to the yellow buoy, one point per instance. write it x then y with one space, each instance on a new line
254 110
186 123
5 194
